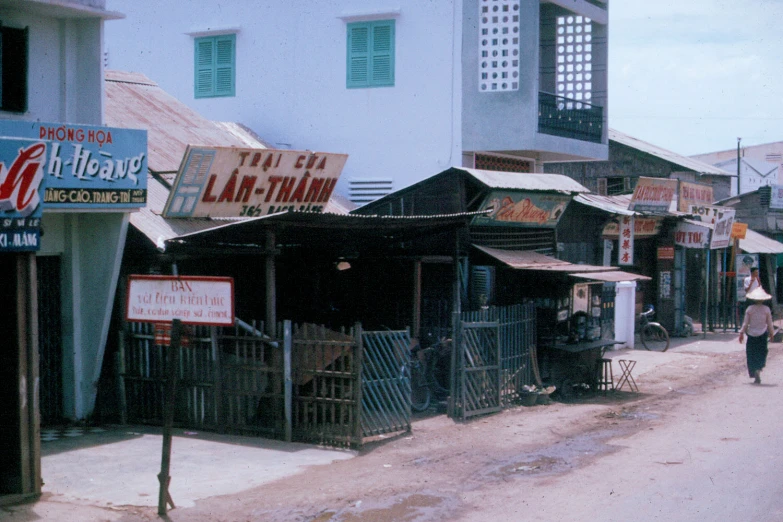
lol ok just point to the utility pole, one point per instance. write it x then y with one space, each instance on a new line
739 183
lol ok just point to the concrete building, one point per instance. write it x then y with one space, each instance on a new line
405 88
760 165
62 253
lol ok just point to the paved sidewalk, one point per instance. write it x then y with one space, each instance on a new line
119 465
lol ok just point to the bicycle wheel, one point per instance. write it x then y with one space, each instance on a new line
420 392
655 337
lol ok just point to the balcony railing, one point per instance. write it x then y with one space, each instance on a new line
560 116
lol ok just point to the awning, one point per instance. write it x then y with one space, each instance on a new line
755 243
529 260
615 276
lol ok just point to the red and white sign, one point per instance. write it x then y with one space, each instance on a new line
653 194
625 241
191 299
642 227
232 182
721 232
689 235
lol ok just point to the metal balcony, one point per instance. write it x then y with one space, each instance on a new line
560 116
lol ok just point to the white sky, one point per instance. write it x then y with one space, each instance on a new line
693 75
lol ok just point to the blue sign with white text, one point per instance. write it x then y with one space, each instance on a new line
87 166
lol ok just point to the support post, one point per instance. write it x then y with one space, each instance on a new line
271 288
164 497
287 383
416 319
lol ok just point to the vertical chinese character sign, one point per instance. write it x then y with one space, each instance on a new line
625 241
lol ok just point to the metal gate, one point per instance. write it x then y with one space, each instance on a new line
50 340
478 377
386 394
513 329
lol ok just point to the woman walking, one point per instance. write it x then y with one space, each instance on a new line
758 326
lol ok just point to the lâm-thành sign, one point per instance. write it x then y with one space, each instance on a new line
232 182
191 299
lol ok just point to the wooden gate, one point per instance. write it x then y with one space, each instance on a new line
386 393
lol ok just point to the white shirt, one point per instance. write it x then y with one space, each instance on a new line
751 285
758 319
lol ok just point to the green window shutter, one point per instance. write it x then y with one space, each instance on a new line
370 60
383 54
215 65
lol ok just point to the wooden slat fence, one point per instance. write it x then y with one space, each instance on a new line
304 386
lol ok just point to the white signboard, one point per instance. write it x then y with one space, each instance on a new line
233 182
625 241
653 194
721 232
776 199
193 300
689 235
707 213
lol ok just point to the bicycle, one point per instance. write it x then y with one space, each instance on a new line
653 335
423 372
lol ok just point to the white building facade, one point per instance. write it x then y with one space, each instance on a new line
405 88
759 165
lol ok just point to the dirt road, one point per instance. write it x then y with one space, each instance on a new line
604 455
498 467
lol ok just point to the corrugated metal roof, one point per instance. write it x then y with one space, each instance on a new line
755 243
672 157
615 276
529 260
613 204
133 101
526 181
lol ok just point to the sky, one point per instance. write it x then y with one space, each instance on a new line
692 76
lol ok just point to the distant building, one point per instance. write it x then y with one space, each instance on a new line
404 88
760 165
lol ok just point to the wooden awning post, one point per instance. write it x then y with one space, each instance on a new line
416 319
164 497
271 288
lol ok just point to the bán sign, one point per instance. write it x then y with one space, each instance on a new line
193 300
232 182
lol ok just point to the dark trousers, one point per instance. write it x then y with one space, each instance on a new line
756 351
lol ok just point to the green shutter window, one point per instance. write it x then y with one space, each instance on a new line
370 54
215 66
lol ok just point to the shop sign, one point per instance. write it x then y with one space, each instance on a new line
721 232
707 213
694 194
232 182
86 166
526 209
739 230
653 194
666 252
642 227
625 241
21 194
689 235
191 299
776 199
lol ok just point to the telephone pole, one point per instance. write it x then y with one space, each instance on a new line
739 183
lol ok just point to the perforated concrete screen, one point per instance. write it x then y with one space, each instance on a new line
498 45
574 58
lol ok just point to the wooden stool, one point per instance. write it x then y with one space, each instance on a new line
604 378
627 365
